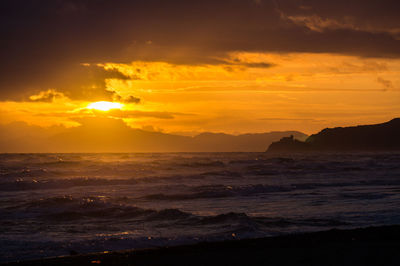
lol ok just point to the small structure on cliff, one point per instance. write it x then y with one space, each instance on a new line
286 144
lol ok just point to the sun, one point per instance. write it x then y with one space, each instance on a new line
104 106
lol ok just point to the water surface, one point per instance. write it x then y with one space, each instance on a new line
55 204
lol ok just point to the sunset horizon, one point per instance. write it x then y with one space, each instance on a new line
184 132
280 65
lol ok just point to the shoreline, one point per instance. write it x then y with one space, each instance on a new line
362 246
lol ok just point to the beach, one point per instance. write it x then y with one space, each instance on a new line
366 246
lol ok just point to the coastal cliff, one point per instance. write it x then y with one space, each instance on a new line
379 137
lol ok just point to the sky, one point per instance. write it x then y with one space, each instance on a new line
186 67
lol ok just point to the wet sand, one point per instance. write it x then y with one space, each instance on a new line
367 246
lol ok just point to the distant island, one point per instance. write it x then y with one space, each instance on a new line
379 137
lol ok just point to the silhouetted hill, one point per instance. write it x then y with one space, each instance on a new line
112 135
289 144
379 137
220 142
120 138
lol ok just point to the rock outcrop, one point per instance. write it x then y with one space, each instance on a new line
379 137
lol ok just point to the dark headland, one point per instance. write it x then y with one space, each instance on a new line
367 246
379 137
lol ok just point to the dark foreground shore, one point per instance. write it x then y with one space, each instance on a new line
367 246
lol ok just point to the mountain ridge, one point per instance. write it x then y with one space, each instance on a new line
376 137
111 135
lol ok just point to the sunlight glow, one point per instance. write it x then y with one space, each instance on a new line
104 106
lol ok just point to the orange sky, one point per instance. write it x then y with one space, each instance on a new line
301 91
251 66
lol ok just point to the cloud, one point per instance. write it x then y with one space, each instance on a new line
319 24
77 82
387 84
113 113
47 96
131 99
258 65
88 82
120 114
139 114
249 64
356 15
45 42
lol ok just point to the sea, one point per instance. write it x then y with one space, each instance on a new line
62 204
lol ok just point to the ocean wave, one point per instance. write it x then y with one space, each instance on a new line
222 173
272 160
67 208
220 191
243 220
199 164
34 184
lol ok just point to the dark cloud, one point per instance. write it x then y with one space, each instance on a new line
370 16
131 99
44 42
387 84
238 62
258 65
76 81
88 82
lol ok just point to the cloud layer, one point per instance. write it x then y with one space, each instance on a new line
45 42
